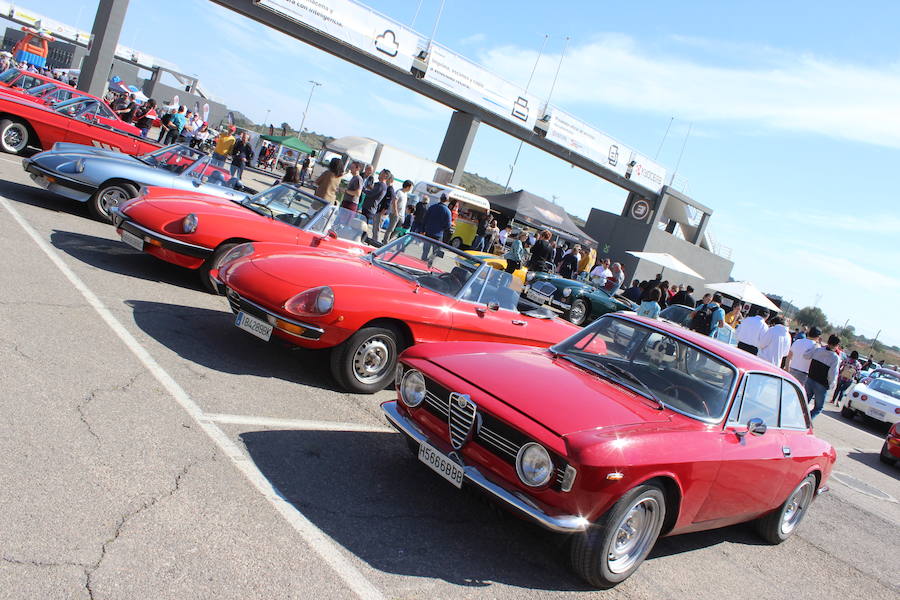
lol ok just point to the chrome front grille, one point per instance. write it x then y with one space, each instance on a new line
461 419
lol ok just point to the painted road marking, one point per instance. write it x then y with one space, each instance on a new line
295 423
323 545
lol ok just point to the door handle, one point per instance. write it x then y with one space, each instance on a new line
786 450
518 322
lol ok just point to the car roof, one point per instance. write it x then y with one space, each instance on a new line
738 358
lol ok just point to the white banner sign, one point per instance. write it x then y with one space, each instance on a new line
581 138
647 173
19 14
471 82
356 25
59 30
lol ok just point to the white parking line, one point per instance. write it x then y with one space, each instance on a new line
323 545
295 423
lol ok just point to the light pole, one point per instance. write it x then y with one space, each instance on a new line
266 121
315 84
512 167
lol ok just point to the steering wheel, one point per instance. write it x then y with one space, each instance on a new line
675 388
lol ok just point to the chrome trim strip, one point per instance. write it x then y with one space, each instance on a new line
562 523
268 312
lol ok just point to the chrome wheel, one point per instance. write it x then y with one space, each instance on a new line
578 312
796 506
634 535
372 358
15 137
112 196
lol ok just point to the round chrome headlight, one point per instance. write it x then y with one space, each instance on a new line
533 465
412 388
189 223
567 292
529 275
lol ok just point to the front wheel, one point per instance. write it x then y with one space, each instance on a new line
456 243
109 196
365 363
580 312
213 262
13 136
847 412
779 524
616 545
885 456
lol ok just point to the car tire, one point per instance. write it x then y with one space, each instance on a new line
14 136
213 263
847 412
885 456
580 312
456 243
109 195
365 363
594 554
781 523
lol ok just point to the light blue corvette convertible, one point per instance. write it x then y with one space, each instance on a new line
105 178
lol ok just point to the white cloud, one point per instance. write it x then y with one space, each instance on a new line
475 38
795 92
412 107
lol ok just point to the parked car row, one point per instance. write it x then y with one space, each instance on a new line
615 434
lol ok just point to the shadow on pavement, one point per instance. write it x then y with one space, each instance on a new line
371 495
114 256
35 196
860 422
209 338
871 459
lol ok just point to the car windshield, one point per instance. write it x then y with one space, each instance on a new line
888 387
288 204
654 363
176 158
8 75
676 313
77 107
430 264
40 90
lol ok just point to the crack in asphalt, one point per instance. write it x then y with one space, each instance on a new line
92 395
90 569
17 350
42 564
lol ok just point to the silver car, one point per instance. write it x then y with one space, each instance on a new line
104 178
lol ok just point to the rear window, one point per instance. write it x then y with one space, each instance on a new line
8 75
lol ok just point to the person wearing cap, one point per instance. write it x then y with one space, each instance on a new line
224 146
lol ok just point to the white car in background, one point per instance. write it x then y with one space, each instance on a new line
878 399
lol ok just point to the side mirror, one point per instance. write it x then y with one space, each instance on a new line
494 306
756 426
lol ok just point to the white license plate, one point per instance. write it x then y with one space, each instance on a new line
441 464
537 297
133 241
259 328
876 414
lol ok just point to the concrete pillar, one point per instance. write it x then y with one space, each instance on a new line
701 229
458 143
105 35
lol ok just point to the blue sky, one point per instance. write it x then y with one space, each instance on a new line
795 132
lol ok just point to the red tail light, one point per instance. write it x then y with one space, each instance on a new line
897 411
856 394
864 398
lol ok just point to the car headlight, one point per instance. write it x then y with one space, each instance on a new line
529 275
189 223
533 465
75 166
315 302
412 388
567 292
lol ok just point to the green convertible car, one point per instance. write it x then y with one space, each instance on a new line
580 301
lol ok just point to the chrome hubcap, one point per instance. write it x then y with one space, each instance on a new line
796 507
634 535
372 359
13 137
112 197
577 312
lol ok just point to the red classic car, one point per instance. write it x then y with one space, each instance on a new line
370 307
196 230
82 120
630 429
890 451
48 93
15 79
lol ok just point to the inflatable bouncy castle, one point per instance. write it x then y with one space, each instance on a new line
33 48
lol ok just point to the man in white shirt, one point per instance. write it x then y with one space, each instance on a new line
601 272
397 209
797 362
751 330
775 343
504 233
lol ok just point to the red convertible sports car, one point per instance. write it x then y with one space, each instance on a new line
630 429
370 307
196 230
81 120
48 93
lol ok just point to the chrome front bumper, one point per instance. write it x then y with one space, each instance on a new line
561 523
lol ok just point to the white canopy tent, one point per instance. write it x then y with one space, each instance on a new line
666 261
744 291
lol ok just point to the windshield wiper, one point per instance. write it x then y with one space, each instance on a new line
623 374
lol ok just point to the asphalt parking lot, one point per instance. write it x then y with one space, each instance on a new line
152 450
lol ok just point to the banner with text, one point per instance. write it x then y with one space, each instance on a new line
461 77
647 173
581 138
356 25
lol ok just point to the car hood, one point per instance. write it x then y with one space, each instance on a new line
81 150
65 152
181 203
559 395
